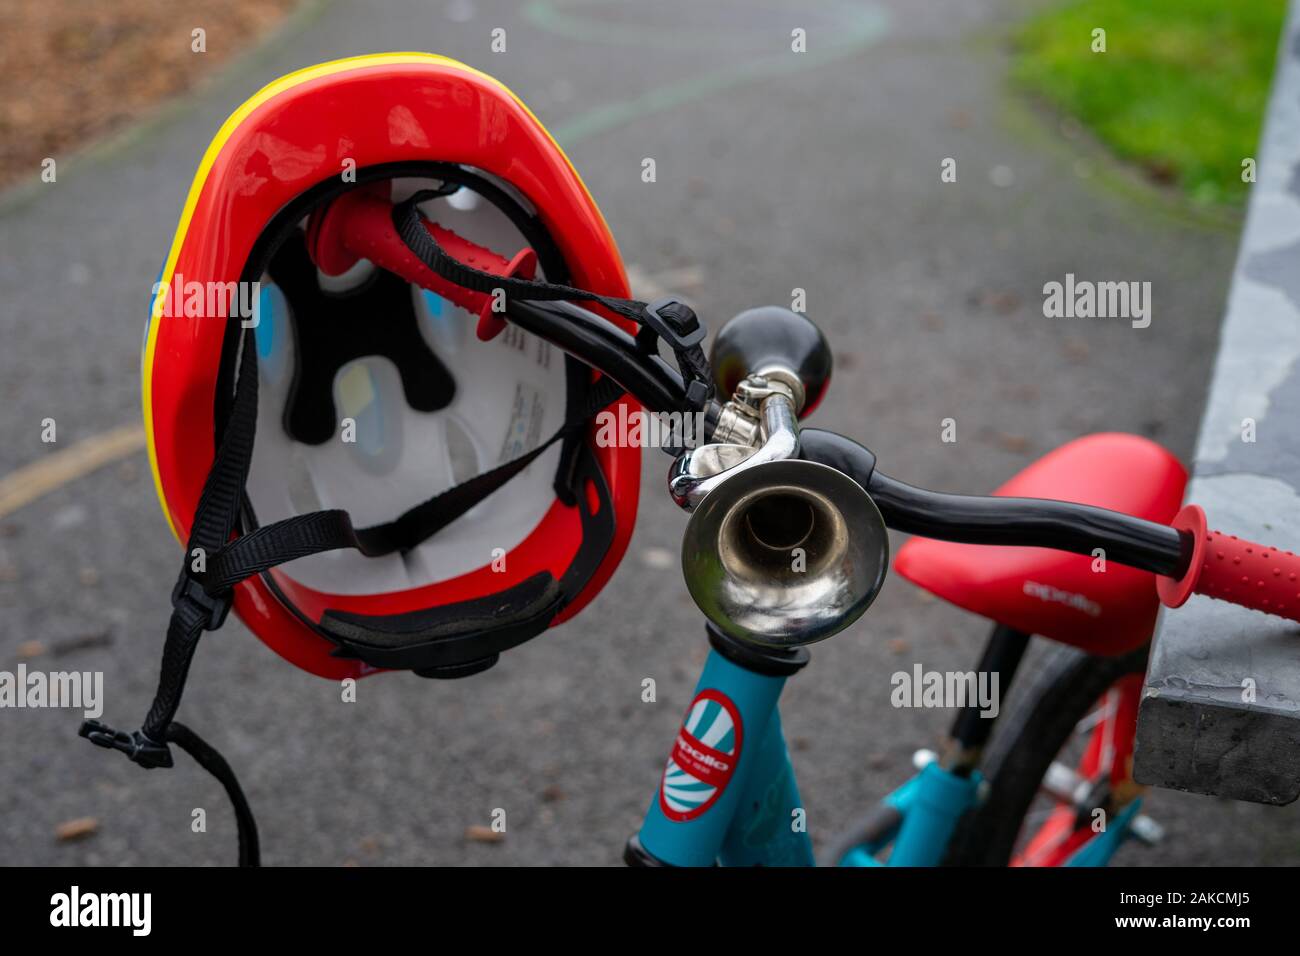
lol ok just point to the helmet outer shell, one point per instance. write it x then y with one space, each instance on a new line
298 132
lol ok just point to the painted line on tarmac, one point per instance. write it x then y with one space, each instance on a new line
24 485
861 26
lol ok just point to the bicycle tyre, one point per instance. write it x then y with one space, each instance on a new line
1037 725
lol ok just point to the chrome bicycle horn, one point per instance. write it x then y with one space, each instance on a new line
778 552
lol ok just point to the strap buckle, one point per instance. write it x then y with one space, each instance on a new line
214 608
138 746
681 330
676 323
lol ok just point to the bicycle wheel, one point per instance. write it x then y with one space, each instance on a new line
1062 750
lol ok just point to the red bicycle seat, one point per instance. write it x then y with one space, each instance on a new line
1051 593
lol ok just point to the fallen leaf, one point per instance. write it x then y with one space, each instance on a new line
1076 349
77 829
1004 302
553 794
82 642
1013 443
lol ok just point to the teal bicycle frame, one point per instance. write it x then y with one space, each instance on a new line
728 794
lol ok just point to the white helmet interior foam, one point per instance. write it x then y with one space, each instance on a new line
509 397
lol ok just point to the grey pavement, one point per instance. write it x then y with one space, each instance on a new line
1246 745
773 173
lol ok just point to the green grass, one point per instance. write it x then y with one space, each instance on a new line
1181 89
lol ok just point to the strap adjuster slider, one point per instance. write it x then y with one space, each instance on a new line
680 331
189 590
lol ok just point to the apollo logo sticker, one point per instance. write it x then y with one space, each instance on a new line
704 757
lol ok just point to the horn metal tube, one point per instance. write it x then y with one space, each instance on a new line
785 553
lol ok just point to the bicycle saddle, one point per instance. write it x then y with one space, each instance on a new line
1052 593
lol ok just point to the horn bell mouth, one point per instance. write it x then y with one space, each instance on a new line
785 553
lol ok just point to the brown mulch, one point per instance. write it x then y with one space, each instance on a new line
75 70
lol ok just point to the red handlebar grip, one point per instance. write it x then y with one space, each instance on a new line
1232 569
359 225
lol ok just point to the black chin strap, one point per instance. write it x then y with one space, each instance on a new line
195 610
215 561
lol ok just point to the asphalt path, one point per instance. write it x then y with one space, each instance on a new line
776 170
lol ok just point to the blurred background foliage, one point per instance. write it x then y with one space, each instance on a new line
1180 89
76 71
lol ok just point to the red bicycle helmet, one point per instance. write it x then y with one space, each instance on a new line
425 489
343 344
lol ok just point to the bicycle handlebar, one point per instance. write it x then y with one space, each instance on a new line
988 519
1185 556
1233 569
360 225
1240 572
